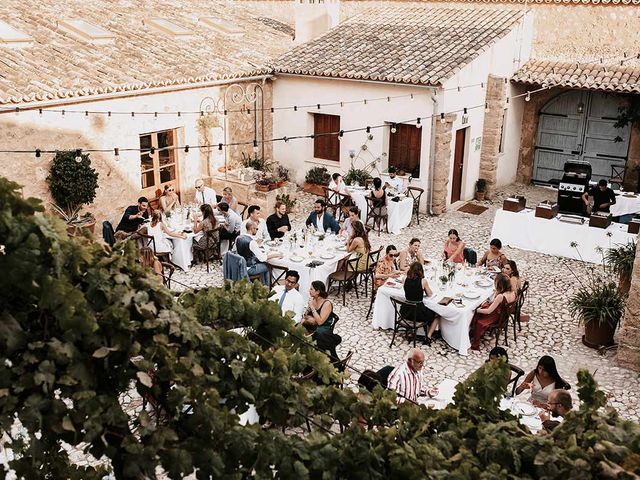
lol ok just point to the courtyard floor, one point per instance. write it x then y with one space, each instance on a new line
551 330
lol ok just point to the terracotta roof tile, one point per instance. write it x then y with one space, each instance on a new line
613 78
57 65
401 43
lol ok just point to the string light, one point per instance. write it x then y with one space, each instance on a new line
286 140
465 115
442 119
486 107
393 128
186 149
152 150
86 113
528 97
179 114
255 146
38 153
219 146
318 106
116 153
368 129
78 155
295 108
155 114
40 111
418 124
340 134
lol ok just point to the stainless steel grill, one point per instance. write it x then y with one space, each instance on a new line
575 182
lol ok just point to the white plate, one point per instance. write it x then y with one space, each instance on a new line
472 295
296 259
524 408
484 283
327 256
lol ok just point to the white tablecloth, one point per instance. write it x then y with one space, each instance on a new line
454 321
318 248
553 237
625 205
399 213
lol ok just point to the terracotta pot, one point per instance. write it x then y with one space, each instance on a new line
598 335
480 196
313 188
263 188
281 184
624 285
73 230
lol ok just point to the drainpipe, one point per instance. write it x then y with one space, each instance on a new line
432 155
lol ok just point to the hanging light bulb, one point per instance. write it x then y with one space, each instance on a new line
393 128
255 146
340 134
179 114
465 115
86 113
186 149
152 151
40 111
272 110
527 97
368 129
220 146
38 152
442 119
116 154
418 124
78 155
486 107
286 139
155 114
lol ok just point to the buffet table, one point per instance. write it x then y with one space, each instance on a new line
626 204
554 237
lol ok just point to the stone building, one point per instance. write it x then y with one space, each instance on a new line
66 64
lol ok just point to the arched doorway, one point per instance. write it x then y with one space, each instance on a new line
578 125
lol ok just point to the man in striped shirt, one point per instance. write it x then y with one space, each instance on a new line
406 379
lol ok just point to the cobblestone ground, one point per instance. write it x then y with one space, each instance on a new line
551 329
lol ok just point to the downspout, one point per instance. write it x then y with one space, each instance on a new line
432 154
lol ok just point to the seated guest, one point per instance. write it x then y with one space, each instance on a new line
603 197
559 404
379 196
169 199
227 197
254 216
208 225
159 231
394 182
359 244
454 248
386 267
415 288
232 222
510 269
370 379
354 216
488 314
249 247
288 296
494 257
495 354
205 194
411 255
278 222
542 381
406 379
319 315
321 219
337 185
134 216
148 259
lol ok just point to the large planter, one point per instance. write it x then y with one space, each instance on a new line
480 196
624 284
314 188
281 184
597 335
263 188
74 230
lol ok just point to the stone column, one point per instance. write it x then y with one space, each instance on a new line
633 162
442 159
629 334
493 119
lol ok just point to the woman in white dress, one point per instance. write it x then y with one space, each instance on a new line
160 233
542 381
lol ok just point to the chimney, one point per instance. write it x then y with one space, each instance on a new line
315 17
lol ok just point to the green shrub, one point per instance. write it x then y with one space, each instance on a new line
318 176
356 176
72 183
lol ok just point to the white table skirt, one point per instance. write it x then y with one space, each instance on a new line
454 321
625 205
182 251
553 237
399 213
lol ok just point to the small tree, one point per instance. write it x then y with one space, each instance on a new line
73 184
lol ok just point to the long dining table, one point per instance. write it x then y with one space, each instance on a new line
398 213
472 286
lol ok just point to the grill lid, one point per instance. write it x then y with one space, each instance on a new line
583 169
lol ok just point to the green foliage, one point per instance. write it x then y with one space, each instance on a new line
620 259
598 300
287 200
72 183
356 176
282 173
81 326
256 162
318 176
481 185
628 115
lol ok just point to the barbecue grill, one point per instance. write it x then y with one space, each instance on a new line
574 183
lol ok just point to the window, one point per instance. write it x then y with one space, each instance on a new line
221 26
158 165
504 121
168 27
325 146
13 37
404 149
87 31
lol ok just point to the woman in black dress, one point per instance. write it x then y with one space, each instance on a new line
415 287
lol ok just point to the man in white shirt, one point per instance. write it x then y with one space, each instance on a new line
406 379
232 222
256 257
393 181
205 194
254 216
288 296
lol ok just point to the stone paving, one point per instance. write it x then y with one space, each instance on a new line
551 329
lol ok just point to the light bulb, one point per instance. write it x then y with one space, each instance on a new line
418 124
286 140
486 108
255 146
442 119
340 134
393 128
116 154
528 97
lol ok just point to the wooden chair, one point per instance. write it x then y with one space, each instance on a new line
520 299
372 260
617 175
345 277
374 291
514 380
506 310
405 318
416 195
167 273
346 203
332 199
243 213
376 215
150 241
206 252
276 274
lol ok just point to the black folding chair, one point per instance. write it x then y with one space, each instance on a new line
405 318
416 195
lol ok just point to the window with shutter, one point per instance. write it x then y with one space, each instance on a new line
326 146
404 149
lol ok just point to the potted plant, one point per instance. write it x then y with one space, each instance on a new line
282 174
73 184
289 202
481 189
265 182
620 260
315 179
356 176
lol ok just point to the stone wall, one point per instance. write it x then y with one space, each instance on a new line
629 335
493 119
442 159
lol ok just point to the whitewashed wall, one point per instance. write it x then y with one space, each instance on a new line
508 159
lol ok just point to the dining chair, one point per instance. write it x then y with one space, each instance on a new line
514 380
617 175
206 252
276 274
332 199
405 318
150 241
345 277
506 310
242 213
167 273
376 215
374 290
346 202
522 296
416 195
372 259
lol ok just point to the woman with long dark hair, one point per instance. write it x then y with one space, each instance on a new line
542 381
488 314
319 314
454 247
209 243
415 288
494 257
510 269
359 243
